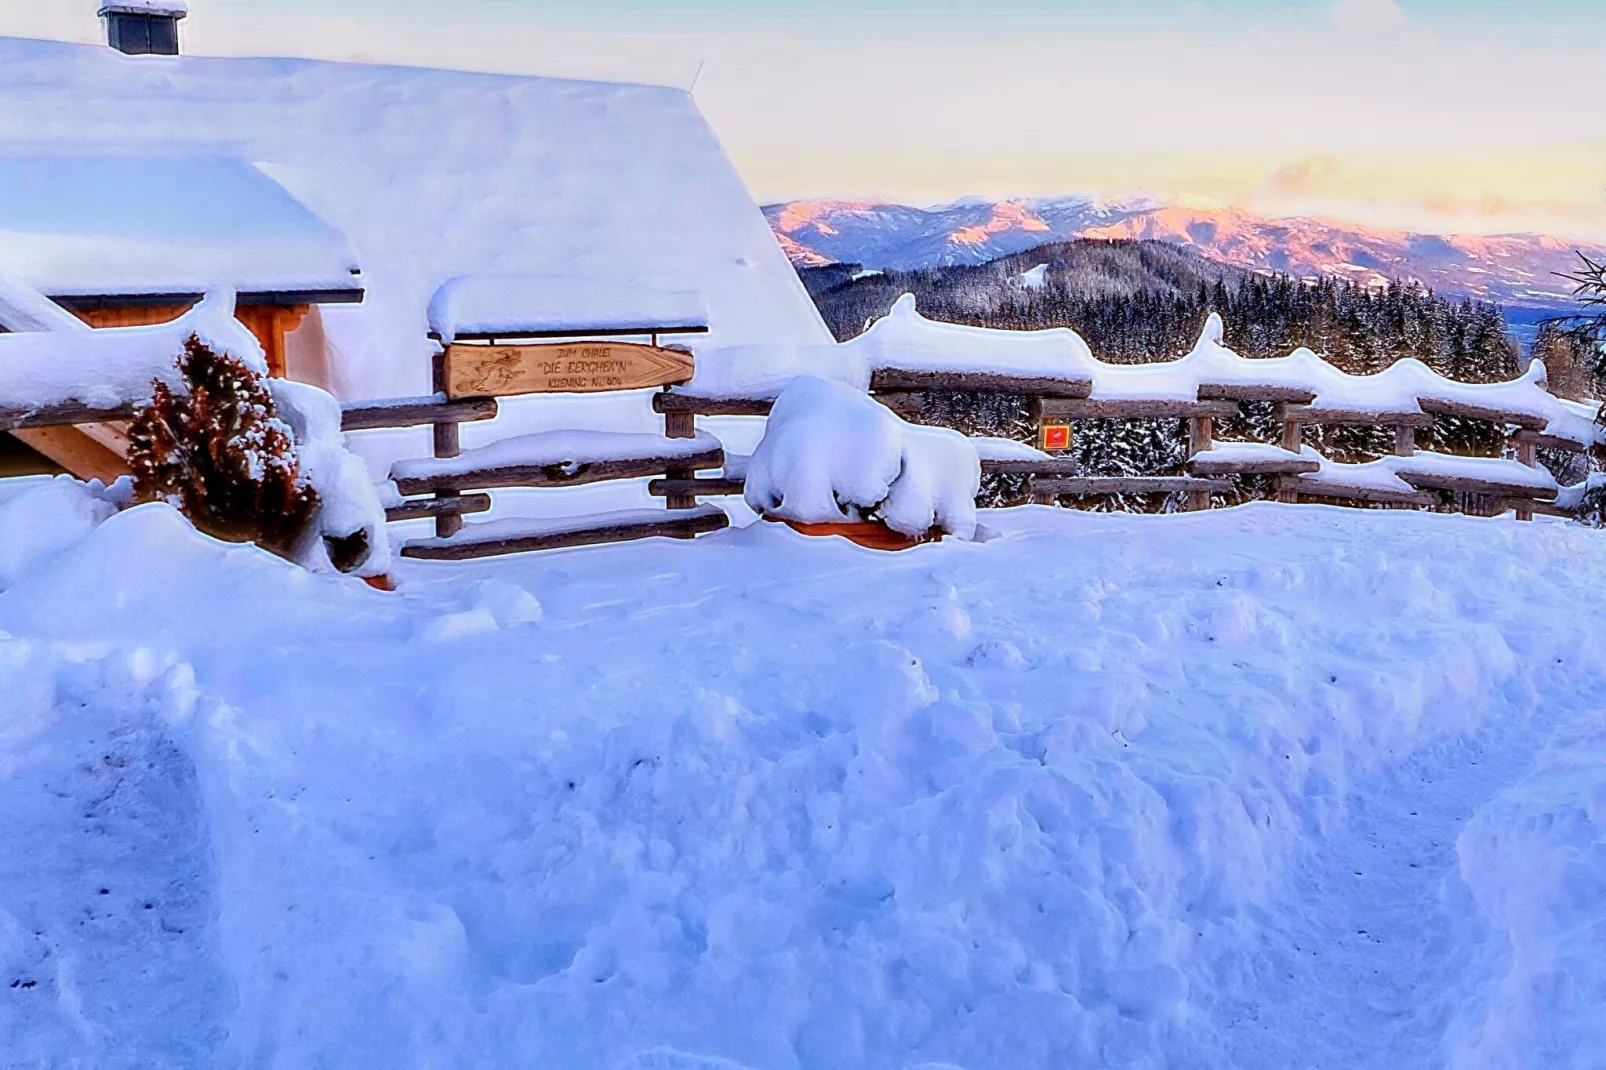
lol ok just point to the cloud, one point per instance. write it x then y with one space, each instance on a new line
1305 176
1368 16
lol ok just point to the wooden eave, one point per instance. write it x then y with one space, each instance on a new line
253 298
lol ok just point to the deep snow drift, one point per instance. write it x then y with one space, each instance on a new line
1063 797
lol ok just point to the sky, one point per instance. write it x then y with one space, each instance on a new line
1437 115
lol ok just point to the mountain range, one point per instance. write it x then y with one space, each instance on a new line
1514 269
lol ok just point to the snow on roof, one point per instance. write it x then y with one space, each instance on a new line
110 368
170 8
509 306
905 340
106 224
437 174
22 308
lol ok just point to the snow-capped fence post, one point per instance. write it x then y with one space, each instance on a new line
1201 433
1293 441
680 425
1527 454
1404 440
446 442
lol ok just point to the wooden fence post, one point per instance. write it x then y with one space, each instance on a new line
1404 440
1201 436
1293 442
680 425
446 443
1527 454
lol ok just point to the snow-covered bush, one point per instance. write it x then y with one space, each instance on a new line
218 452
831 454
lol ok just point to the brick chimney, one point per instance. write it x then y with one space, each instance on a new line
143 27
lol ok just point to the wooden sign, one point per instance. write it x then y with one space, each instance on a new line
567 368
1056 437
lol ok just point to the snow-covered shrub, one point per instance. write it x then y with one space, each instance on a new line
831 454
220 454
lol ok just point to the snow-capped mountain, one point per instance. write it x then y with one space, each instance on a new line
1515 269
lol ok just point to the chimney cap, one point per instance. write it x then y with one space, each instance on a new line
168 9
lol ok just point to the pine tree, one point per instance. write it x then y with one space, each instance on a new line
219 453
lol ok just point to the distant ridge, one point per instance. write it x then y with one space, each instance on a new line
1516 269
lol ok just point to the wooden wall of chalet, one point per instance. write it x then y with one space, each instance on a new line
100 451
268 323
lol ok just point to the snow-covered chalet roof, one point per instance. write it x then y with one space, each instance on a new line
99 225
439 174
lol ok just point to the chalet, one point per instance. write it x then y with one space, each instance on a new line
135 179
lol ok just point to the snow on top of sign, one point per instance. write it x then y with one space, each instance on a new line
96 224
512 306
907 341
831 454
114 367
438 174
570 449
171 8
762 372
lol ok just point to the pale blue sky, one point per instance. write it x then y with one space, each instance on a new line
1439 114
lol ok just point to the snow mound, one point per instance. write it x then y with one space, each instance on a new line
1003 808
905 340
348 501
50 518
762 372
831 454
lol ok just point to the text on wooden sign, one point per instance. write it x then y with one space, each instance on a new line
567 368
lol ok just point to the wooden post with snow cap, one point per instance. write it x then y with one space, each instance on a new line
1201 436
446 443
1528 454
1293 442
1404 440
680 425
1052 437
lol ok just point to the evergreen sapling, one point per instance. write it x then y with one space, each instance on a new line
219 453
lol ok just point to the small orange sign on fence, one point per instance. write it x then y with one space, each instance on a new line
1055 437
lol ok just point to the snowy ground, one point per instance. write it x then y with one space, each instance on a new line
1273 786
